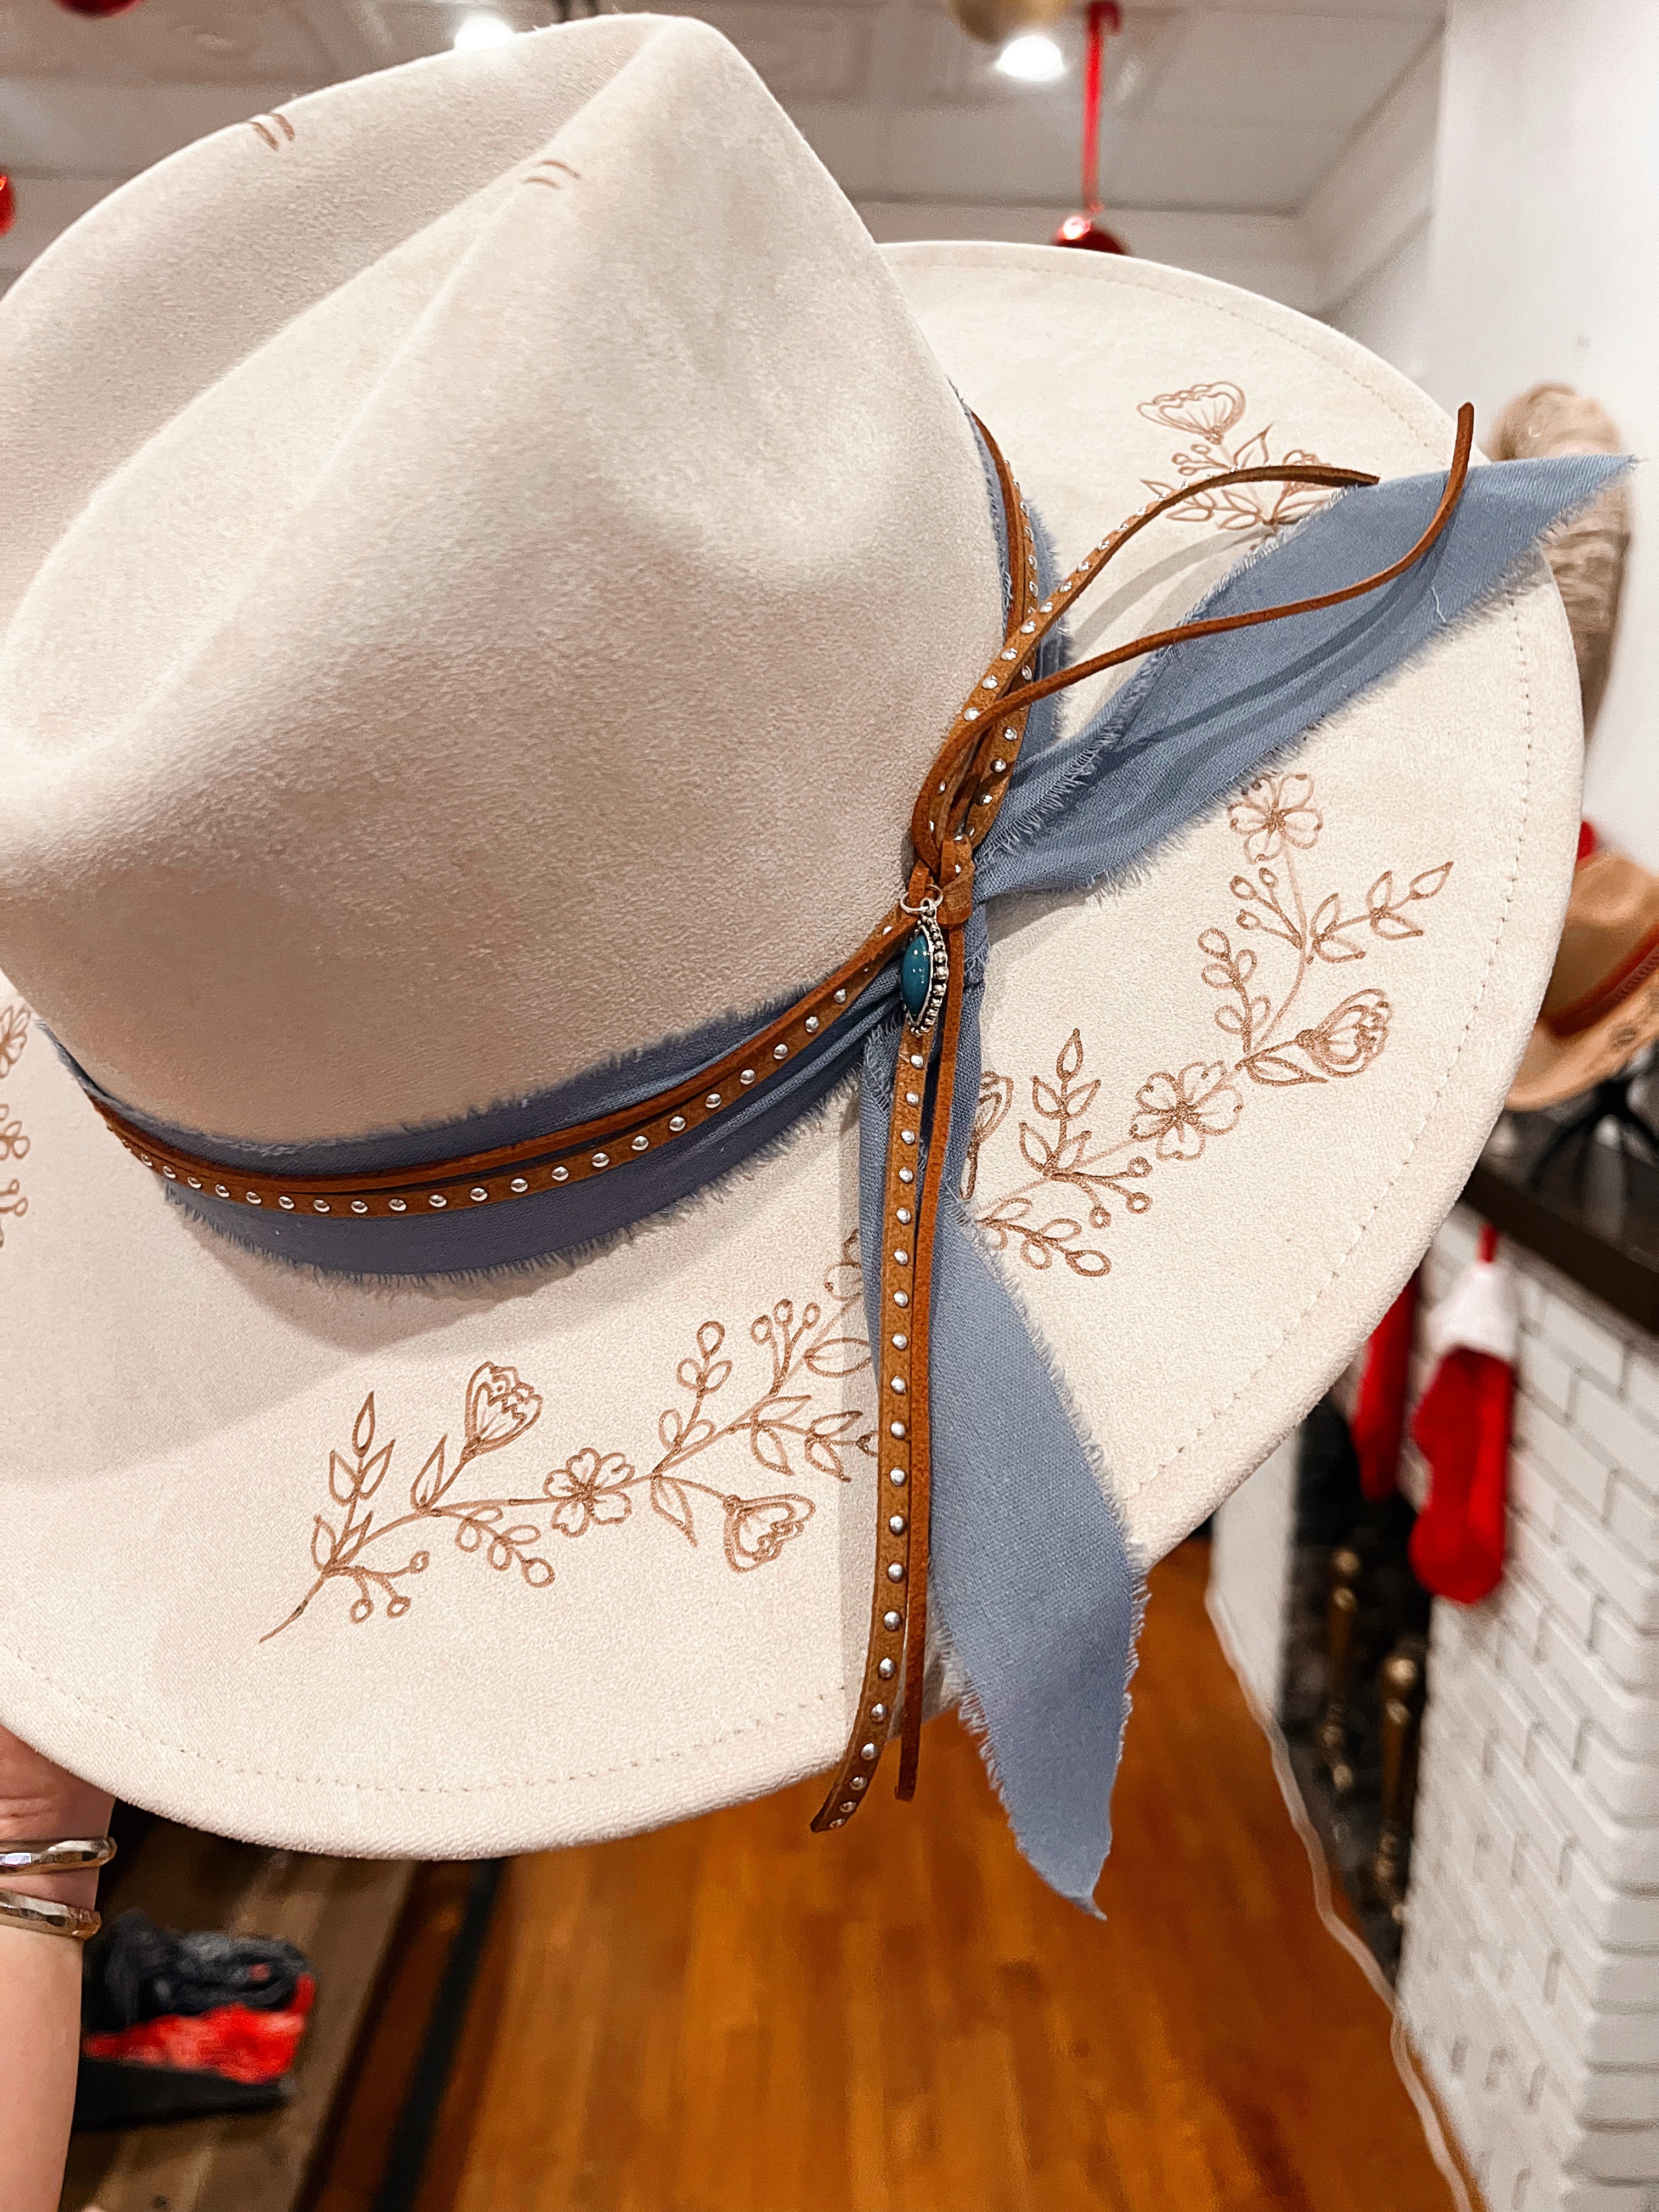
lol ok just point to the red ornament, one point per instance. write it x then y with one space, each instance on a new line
1082 230
97 9
8 204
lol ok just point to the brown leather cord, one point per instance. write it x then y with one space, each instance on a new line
955 808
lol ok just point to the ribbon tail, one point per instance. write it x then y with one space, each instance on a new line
1032 1570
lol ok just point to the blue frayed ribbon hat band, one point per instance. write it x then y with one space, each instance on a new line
1039 1604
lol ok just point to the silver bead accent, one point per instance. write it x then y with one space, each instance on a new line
896 1476
254 1197
358 1206
1046 608
900 1341
970 714
866 1751
172 1173
900 1297
895 1522
748 1075
896 1382
519 1183
642 1143
997 766
712 1100
219 1188
887 1670
987 683
895 1428
287 1204
892 1620
1009 653
901 1259
677 1122
903 1213
195 1181
913 1098
848 1806
877 1712
479 1195
812 1024
438 1199
858 1782
561 1175
397 1205
841 997
907 1175
1028 628
918 1060
145 1160
779 1051
895 1572
601 1159
907 1136
320 1204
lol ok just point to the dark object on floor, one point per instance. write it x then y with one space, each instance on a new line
1355 1612
182 2027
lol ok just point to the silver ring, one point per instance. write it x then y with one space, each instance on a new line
71 1854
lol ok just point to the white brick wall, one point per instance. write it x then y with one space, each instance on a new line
1531 1972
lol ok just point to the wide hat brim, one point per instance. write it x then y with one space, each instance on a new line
618 1570
1554 1069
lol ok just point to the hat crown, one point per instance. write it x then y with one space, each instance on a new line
511 622
1613 920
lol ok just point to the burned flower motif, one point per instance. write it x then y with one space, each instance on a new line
590 1487
1178 1112
14 1034
498 1408
1274 812
757 1529
1351 1035
1207 410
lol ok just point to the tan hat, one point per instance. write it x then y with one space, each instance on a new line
491 552
1602 1003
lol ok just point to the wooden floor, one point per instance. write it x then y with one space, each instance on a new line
723 2017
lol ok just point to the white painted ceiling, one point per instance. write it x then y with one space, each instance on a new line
1233 108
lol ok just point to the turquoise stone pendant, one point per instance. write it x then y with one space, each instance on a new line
925 973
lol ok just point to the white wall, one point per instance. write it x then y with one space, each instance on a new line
1388 310
1545 241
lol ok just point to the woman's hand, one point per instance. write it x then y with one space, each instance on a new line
40 1978
40 1802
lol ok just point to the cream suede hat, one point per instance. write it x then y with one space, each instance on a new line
491 552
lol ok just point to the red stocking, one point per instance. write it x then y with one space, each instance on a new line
1379 1418
1463 1429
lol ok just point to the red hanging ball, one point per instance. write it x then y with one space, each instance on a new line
8 204
97 9
1083 230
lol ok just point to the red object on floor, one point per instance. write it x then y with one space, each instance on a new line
1463 1430
233 2040
1378 1426
8 204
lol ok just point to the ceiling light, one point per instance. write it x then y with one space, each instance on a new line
482 31
1032 59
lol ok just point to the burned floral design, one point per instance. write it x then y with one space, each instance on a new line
1209 414
14 1017
775 1418
1071 1149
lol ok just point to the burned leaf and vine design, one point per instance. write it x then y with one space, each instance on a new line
1211 416
510 1525
14 1138
1263 968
